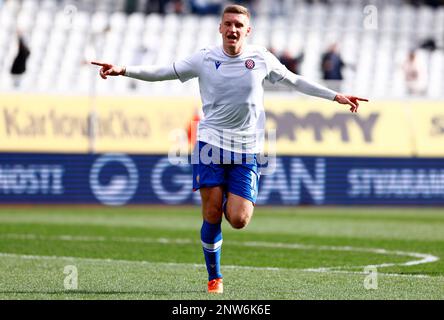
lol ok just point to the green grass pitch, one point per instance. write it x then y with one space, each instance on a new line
285 253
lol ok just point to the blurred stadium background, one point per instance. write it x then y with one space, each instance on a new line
69 137
58 113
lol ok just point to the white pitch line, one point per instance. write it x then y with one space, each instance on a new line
142 262
423 257
194 265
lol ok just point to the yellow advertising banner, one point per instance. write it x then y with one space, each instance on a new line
141 125
66 124
35 123
427 120
43 123
319 127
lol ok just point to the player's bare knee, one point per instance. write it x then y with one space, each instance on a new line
213 214
240 221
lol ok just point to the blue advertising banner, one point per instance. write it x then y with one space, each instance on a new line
119 179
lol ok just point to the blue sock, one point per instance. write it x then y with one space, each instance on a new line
211 236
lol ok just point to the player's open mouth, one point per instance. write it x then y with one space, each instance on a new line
232 37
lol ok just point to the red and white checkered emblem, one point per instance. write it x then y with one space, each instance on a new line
249 64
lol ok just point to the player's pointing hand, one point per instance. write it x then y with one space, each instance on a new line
350 100
109 69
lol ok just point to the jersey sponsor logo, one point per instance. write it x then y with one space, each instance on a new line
217 64
249 64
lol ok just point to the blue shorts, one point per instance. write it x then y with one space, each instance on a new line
235 172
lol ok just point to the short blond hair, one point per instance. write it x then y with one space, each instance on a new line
235 8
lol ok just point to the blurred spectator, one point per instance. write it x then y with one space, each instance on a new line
414 74
250 4
19 65
202 7
429 44
192 127
277 9
156 6
245 3
131 6
178 7
291 62
331 66
432 3
317 1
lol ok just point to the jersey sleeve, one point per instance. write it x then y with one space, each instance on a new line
189 67
276 71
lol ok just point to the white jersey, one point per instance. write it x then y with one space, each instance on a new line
231 89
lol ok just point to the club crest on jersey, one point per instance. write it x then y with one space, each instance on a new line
249 64
217 64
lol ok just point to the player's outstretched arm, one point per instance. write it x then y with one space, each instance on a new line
314 89
109 69
352 101
145 73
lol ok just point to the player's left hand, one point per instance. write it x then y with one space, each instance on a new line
350 100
